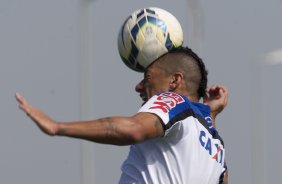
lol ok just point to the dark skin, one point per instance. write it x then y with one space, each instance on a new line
121 130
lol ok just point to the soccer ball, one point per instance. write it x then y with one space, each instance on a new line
146 35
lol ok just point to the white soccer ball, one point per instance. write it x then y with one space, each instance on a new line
146 35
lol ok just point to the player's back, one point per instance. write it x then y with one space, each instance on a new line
189 152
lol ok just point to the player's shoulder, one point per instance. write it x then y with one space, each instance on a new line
167 99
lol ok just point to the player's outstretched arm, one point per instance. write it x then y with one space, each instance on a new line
217 98
110 130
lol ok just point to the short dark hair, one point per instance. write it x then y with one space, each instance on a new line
204 80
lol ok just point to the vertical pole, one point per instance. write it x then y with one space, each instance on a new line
195 22
259 138
86 88
257 126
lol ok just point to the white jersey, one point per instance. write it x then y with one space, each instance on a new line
190 152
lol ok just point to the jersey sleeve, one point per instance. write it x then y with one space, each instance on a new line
166 106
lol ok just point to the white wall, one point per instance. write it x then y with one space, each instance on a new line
62 55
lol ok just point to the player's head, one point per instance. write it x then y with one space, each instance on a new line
180 70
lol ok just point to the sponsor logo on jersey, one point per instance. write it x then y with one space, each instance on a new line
209 121
215 150
167 101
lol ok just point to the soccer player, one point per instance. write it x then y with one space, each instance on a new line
173 137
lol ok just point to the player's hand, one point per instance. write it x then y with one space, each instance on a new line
217 98
45 123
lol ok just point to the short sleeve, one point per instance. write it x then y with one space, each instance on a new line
165 105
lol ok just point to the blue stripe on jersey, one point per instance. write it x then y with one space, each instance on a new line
186 109
189 112
196 108
205 110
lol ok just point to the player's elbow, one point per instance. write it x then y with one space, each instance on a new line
132 136
128 138
134 130
127 135
137 136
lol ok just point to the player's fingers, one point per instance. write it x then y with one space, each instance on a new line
223 88
21 99
220 90
23 104
210 88
223 91
18 97
224 96
213 90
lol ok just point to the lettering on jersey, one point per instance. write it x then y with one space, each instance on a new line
167 101
207 144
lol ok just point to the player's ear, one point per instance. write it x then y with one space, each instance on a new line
177 79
